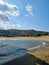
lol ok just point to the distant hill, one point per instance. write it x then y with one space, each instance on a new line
14 32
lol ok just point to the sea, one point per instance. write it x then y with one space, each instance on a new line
12 49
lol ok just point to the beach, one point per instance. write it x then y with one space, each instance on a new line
40 57
42 54
37 57
40 38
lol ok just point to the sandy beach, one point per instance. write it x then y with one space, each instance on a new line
39 57
41 38
42 54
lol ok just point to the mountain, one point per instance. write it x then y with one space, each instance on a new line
14 32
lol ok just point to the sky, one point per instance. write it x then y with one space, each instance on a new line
24 14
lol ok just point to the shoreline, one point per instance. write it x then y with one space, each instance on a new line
41 38
32 57
42 54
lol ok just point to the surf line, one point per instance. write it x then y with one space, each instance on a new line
33 48
42 45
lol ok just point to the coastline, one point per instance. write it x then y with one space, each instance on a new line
41 56
41 38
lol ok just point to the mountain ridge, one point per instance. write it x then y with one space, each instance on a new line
17 32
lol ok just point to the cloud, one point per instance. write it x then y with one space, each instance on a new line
4 18
8 25
7 9
29 9
10 9
1 2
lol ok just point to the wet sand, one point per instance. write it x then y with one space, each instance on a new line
38 57
42 54
33 58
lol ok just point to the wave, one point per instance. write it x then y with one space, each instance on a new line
39 46
34 48
9 50
8 53
43 43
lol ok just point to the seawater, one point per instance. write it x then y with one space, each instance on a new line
11 49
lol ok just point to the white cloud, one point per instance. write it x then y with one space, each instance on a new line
8 25
1 2
29 9
5 10
11 9
8 9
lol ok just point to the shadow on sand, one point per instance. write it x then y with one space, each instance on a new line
28 59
